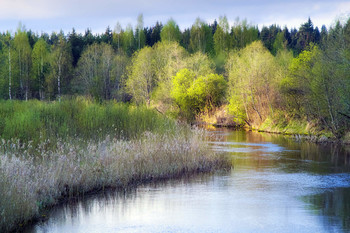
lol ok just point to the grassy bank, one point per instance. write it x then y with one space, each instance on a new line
299 127
35 177
279 123
37 121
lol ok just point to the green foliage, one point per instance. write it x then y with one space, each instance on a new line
252 83
170 32
169 58
94 71
196 94
141 79
296 87
128 40
40 60
60 75
201 39
313 86
243 34
22 64
200 64
207 92
39 121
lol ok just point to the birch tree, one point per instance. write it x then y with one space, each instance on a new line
40 62
61 68
22 55
141 80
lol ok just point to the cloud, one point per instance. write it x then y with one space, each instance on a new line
51 15
31 9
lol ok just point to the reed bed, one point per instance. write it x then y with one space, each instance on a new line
30 184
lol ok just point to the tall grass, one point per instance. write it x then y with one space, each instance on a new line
50 151
36 121
28 185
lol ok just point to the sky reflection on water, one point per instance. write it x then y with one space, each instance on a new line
277 185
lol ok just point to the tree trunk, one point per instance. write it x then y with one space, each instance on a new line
10 94
59 78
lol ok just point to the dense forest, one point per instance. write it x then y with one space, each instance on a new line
271 76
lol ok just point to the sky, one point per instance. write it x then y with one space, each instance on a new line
54 15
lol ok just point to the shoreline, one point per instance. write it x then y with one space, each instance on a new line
31 190
113 189
318 139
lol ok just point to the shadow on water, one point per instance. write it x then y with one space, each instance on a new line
334 204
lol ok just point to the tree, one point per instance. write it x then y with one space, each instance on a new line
279 43
200 64
243 34
221 38
252 81
268 36
141 78
306 35
117 36
194 94
60 68
331 82
185 39
169 58
77 45
201 37
128 40
207 92
22 64
181 82
296 87
107 37
7 61
170 31
140 34
153 34
94 69
40 62
88 38
119 76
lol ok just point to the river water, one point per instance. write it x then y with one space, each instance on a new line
277 185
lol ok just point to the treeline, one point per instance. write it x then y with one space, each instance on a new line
46 66
272 74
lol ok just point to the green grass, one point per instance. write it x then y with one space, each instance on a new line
281 123
36 121
52 151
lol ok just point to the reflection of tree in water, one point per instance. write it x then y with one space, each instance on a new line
325 158
334 204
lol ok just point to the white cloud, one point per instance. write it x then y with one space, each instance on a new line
52 14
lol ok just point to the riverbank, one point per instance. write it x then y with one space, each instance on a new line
300 129
52 151
31 184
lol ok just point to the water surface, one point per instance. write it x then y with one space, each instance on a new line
277 185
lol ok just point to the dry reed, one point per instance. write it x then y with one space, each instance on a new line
29 184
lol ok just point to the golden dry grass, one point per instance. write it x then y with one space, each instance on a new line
28 183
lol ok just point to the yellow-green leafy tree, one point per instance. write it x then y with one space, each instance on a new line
252 83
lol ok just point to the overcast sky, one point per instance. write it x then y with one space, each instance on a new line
53 15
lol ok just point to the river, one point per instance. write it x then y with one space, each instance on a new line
277 185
